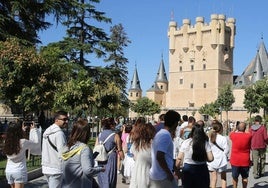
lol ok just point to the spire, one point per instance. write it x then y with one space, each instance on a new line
161 74
263 56
135 82
258 71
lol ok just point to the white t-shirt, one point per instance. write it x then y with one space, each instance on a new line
161 142
187 149
17 162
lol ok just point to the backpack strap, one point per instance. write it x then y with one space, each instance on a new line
108 138
216 144
51 144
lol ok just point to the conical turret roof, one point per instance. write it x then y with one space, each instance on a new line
161 74
135 82
258 70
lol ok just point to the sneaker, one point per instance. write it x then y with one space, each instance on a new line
256 177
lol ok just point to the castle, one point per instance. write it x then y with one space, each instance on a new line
200 63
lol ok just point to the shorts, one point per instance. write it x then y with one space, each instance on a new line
16 177
219 170
240 170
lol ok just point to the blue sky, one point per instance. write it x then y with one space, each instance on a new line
146 24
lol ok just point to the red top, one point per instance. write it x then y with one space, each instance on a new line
240 153
259 137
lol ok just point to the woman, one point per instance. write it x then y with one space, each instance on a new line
128 160
195 152
108 178
142 135
220 150
15 148
78 162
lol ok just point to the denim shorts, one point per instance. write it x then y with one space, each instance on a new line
219 170
237 170
16 177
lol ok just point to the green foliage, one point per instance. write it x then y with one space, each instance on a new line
251 100
226 98
83 38
145 106
24 76
22 19
209 109
256 96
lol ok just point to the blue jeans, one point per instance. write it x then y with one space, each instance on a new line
54 180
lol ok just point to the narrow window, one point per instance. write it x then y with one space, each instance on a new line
137 94
180 68
204 66
192 86
181 81
192 67
205 85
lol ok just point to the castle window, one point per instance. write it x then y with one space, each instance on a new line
192 86
137 94
180 61
180 68
181 81
131 94
204 66
161 87
205 85
192 67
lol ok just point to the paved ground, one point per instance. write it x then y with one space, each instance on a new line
253 183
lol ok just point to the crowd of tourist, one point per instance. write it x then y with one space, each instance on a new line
177 151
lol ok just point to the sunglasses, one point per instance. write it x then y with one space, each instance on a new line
63 119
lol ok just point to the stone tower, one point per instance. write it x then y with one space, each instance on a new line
135 91
200 61
157 92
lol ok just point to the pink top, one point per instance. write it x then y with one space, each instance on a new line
124 139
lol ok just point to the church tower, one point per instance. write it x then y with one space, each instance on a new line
200 61
157 92
135 91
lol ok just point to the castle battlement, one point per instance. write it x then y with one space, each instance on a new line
221 31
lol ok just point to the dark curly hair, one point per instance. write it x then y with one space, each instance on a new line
13 135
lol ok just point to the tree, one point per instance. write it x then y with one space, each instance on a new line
82 38
118 64
26 79
252 100
225 100
261 88
210 109
145 106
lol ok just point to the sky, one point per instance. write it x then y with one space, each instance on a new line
146 25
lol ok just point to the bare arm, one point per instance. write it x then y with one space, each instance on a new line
118 143
160 156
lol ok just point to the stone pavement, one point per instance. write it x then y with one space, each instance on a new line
36 180
253 183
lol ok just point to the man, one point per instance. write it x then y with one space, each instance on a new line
184 123
161 171
258 147
160 124
240 154
53 142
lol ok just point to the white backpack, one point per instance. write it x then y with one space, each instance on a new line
100 150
